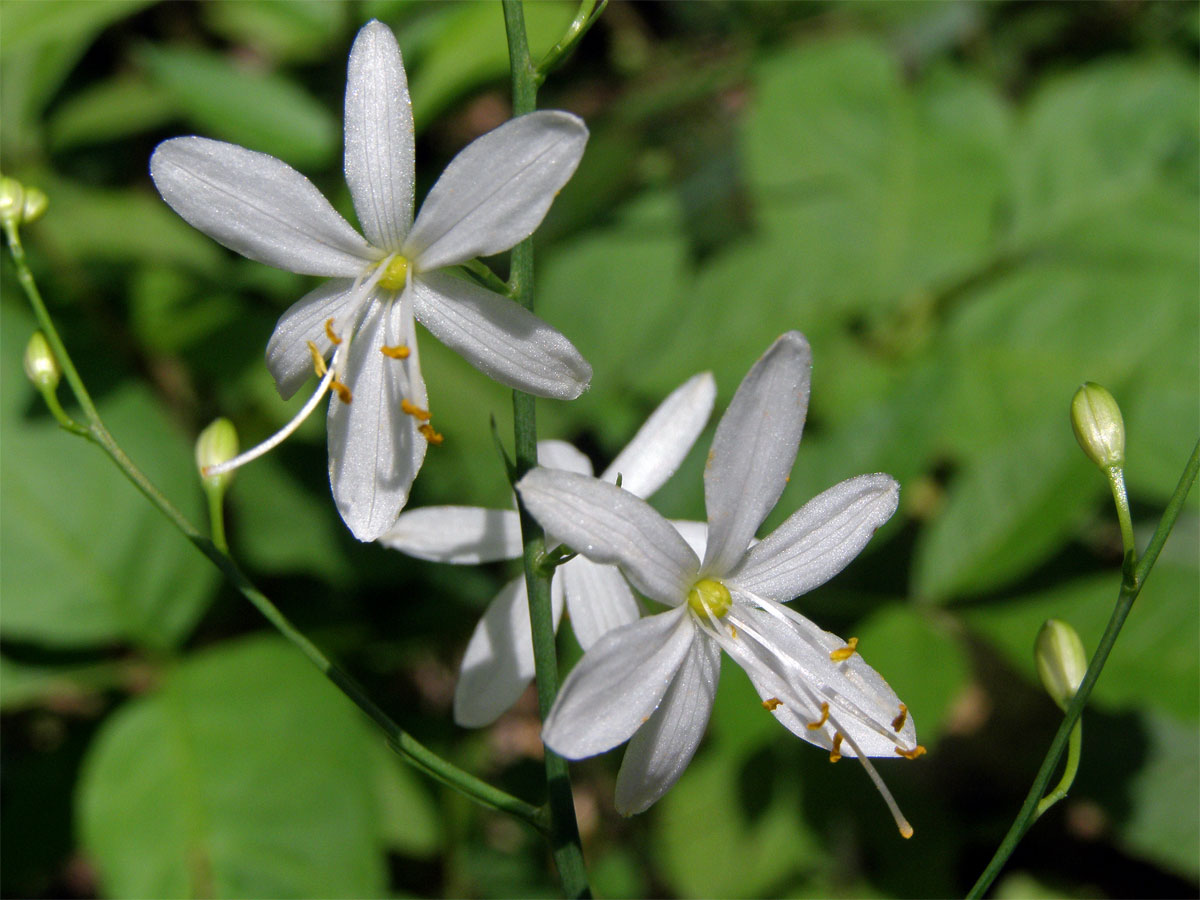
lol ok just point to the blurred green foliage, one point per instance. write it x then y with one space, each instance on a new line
968 208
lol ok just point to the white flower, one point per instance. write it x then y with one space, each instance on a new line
654 680
498 663
491 196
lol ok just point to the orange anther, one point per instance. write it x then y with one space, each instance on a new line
343 392
398 352
772 703
329 333
844 653
898 722
318 360
817 725
913 753
836 753
430 435
421 415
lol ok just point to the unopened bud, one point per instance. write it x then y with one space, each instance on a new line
41 367
1061 661
1096 420
35 205
216 444
12 201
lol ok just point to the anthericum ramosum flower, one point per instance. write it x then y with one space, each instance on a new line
498 663
491 196
654 680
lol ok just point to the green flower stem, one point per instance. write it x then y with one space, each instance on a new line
564 830
585 18
1116 481
1132 582
1074 746
404 744
216 519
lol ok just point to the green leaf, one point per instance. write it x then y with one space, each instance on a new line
263 111
29 24
410 820
109 110
69 687
244 774
289 30
86 558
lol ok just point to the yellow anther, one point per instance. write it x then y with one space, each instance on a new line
913 753
329 332
342 391
898 722
906 831
772 704
844 653
820 723
836 753
395 276
421 415
397 352
733 632
430 435
318 360
708 595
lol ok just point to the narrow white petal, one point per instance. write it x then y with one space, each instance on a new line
754 449
561 455
666 438
379 137
257 206
695 533
499 337
663 747
288 356
818 540
497 190
598 599
463 535
375 450
498 663
610 525
618 684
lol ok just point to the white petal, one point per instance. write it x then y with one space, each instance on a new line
818 540
375 450
610 525
463 535
666 438
288 356
598 599
497 190
379 137
754 449
695 533
663 747
498 663
258 206
561 455
618 684
499 337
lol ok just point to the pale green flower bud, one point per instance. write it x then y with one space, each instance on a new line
35 205
1061 660
218 443
41 367
1099 428
12 201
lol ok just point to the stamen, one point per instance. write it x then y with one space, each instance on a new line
318 359
898 722
772 704
913 753
398 352
820 723
836 753
329 332
430 435
343 392
733 632
906 830
421 415
844 653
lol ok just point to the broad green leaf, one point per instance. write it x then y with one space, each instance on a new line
410 820
263 111
1156 660
35 22
86 558
169 315
109 110
244 774
282 29
66 687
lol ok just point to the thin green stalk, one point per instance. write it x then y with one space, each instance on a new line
216 519
1116 481
404 744
585 18
1135 578
1074 748
564 830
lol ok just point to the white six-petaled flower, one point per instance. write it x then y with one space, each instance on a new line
490 197
654 680
498 663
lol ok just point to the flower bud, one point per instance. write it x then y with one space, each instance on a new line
41 367
12 201
35 205
216 444
1096 420
1061 661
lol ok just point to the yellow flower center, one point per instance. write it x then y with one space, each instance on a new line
395 275
708 595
